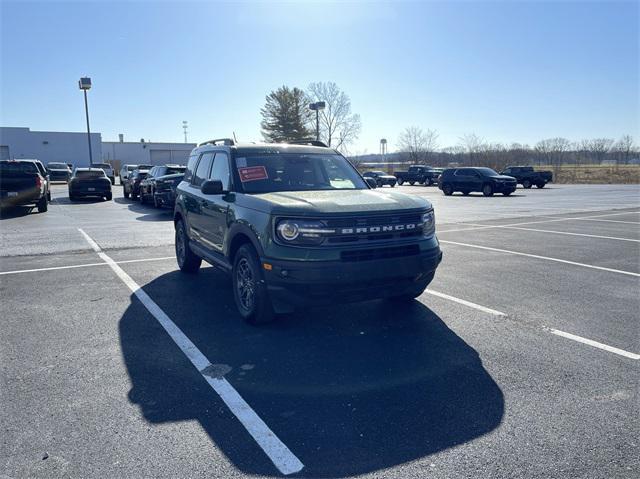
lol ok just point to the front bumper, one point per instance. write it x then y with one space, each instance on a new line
296 283
166 198
504 187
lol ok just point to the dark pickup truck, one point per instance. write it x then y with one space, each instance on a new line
22 183
424 175
297 224
527 176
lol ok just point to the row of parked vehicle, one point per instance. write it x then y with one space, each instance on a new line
151 184
465 180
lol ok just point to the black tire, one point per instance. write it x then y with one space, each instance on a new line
249 289
109 197
379 183
539 185
507 193
72 198
393 185
526 184
429 182
48 195
412 183
447 190
142 200
487 190
156 203
188 261
400 181
125 193
43 204
466 192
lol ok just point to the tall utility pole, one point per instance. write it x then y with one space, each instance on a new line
185 125
85 84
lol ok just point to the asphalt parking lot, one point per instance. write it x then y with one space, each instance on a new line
521 360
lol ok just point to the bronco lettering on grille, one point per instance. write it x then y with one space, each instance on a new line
378 229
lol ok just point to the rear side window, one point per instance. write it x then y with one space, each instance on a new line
204 166
220 170
191 164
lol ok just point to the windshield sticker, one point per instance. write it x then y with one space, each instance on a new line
241 162
253 173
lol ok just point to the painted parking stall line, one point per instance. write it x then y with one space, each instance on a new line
566 233
87 265
464 302
546 258
595 344
284 460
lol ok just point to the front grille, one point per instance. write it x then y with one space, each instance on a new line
340 224
379 253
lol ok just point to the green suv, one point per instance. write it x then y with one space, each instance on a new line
296 224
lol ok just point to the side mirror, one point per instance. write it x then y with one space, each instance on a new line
371 182
212 187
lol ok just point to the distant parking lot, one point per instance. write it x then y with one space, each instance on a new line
521 359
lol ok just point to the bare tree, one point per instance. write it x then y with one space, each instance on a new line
625 148
474 146
600 147
338 126
418 144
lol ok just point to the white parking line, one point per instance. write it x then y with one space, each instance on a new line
524 223
546 258
595 344
465 303
564 233
284 460
54 268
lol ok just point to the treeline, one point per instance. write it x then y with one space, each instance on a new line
419 146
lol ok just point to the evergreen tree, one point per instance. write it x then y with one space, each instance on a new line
285 115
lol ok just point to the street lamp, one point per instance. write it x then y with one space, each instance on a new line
317 106
85 84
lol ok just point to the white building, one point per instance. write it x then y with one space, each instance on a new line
67 147
48 146
141 152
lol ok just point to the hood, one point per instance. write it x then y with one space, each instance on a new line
503 177
172 176
332 202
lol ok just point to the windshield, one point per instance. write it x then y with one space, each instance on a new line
102 165
486 172
17 168
90 174
296 172
57 166
132 167
171 170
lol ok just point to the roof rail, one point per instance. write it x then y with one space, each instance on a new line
307 142
223 141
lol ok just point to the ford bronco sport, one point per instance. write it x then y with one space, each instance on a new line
296 224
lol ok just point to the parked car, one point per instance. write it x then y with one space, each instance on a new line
424 175
58 171
148 184
165 189
22 183
131 187
467 180
89 182
298 224
108 170
126 170
381 178
527 176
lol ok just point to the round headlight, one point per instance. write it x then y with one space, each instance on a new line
288 230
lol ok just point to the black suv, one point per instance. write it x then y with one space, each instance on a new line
297 224
467 180
154 182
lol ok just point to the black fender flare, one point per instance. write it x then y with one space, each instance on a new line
242 229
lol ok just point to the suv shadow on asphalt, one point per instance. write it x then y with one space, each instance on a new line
10 212
149 212
350 390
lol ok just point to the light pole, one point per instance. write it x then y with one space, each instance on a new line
85 84
185 125
317 106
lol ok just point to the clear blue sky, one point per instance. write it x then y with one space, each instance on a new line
506 71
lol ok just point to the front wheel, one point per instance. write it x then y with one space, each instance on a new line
507 193
447 190
249 289
412 183
400 181
188 261
540 185
487 190
393 185
526 184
